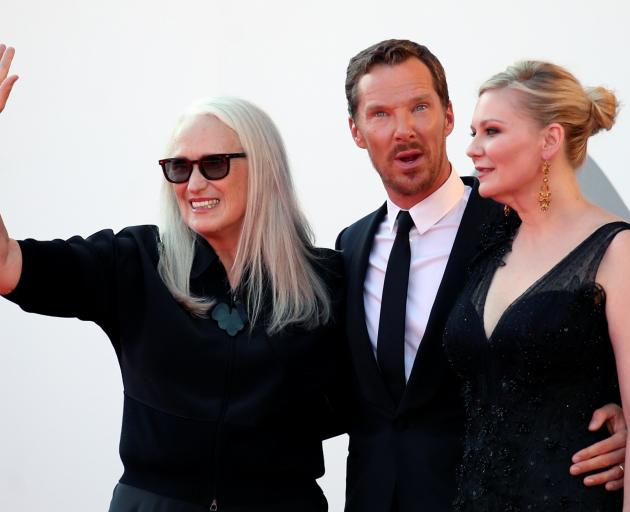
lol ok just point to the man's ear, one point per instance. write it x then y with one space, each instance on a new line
553 136
449 120
356 133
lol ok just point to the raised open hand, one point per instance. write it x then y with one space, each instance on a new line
6 80
10 254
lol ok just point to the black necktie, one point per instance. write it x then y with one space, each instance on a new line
390 347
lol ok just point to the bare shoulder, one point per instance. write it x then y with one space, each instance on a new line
598 216
614 270
618 252
614 276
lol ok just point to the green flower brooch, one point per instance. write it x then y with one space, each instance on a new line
231 320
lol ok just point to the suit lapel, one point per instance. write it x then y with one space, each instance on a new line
426 371
357 255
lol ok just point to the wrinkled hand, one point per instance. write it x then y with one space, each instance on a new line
10 253
6 80
607 454
6 56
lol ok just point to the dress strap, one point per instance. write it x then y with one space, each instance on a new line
589 253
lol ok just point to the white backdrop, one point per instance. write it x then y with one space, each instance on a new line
101 86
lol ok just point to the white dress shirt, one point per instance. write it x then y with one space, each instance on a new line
436 220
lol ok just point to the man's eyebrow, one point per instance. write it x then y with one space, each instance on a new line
421 98
378 105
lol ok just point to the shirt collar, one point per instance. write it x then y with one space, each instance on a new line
204 257
428 212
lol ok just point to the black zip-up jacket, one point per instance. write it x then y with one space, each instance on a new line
211 419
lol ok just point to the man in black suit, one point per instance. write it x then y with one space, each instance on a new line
405 442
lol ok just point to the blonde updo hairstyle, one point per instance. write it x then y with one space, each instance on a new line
550 94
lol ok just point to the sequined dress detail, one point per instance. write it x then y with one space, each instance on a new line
530 388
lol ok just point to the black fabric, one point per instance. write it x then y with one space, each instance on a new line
406 452
132 499
390 346
531 387
206 415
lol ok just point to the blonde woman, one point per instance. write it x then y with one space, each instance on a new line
541 333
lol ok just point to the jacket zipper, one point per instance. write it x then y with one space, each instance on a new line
214 505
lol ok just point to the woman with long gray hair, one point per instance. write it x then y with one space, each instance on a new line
224 321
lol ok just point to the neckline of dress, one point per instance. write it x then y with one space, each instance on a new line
534 283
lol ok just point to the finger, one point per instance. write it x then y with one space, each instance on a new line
612 474
603 414
615 485
607 445
5 62
607 460
598 419
3 231
4 241
5 90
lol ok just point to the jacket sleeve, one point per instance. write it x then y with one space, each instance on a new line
78 277
339 410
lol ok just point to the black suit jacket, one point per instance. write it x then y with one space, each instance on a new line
407 453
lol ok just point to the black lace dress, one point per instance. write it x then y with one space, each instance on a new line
531 388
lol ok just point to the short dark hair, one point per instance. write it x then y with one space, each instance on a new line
392 52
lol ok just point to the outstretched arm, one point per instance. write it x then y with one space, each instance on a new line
10 254
608 454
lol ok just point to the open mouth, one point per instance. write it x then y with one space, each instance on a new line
408 158
206 204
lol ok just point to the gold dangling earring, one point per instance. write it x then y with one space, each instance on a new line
506 210
544 195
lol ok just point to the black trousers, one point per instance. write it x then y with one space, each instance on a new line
131 499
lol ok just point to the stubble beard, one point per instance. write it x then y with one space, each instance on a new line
419 180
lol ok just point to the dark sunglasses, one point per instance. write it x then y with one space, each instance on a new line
211 167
